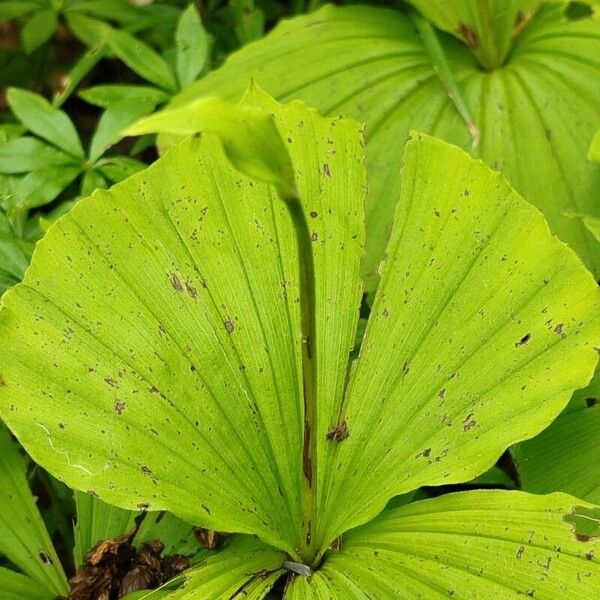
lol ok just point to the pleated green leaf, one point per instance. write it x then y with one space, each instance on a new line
536 113
482 327
159 356
476 545
23 536
174 326
487 27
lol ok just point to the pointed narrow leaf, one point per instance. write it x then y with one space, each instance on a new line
113 120
23 536
475 545
108 95
41 118
140 57
40 187
482 327
191 44
28 154
38 29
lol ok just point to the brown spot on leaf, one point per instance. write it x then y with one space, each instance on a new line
469 422
589 555
442 393
326 170
191 290
176 282
229 326
520 552
469 35
405 367
424 454
2 381
314 214
558 330
119 407
339 433
336 545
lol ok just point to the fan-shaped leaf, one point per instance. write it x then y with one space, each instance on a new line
190 365
536 113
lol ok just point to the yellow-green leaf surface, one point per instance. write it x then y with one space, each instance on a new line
249 136
24 539
173 326
536 114
566 455
158 356
482 327
471 545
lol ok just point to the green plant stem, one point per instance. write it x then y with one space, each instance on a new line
309 377
442 68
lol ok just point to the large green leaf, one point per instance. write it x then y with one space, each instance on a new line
160 355
536 114
194 394
482 326
23 536
475 545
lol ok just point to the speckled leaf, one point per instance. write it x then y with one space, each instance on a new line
23 536
155 342
566 456
482 327
536 114
471 545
